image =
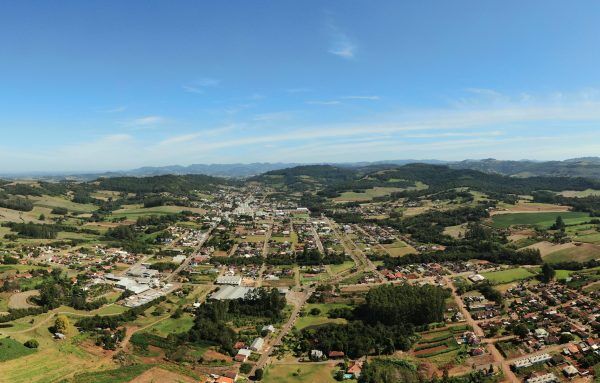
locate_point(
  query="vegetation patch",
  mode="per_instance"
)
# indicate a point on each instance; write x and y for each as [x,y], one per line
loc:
[119,375]
[11,349]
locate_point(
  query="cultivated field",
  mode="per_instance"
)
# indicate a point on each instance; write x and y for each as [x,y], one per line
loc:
[543,220]
[581,253]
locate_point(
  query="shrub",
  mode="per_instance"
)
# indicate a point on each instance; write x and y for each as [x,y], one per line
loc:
[32,343]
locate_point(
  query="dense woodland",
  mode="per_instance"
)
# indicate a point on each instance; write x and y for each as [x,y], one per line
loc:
[211,318]
[383,324]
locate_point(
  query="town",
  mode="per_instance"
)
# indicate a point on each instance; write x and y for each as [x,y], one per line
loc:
[231,282]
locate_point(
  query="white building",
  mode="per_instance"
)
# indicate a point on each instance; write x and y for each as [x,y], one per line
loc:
[233,280]
[546,378]
[258,344]
[476,278]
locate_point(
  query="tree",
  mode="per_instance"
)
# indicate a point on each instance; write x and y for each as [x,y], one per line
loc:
[566,338]
[559,224]
[245,368]
[548,273]
[31,343]
[521,330]
[258,374]
[315,311]
[61,324]
[42,217]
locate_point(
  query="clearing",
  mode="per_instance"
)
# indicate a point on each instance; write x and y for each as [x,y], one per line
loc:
[299,372]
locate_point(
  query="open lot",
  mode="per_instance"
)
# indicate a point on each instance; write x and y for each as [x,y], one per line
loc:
[299,372]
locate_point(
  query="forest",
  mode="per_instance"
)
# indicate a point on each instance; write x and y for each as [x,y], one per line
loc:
[384,323]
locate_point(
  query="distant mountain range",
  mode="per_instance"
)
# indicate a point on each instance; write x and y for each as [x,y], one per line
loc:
[588,167]
[577,167]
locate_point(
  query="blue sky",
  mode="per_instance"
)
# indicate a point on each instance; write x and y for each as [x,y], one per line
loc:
[101,85]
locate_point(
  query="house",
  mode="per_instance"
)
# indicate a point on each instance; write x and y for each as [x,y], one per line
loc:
[243,355]
[239,345]
[541,333]
[527,362]
[258,344]
[233,280]
[335,354]
[355,369]
[476,278]
[545,378]
[570,371]
[572,348]
[268,328]
[316,355]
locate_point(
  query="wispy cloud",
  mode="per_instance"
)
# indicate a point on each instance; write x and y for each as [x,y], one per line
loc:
[372,98]
[273,116]
[199,86]
[340,43]
[204,134]
[298,90]
[542,126]
[144,122]
[117,109]
[326,102]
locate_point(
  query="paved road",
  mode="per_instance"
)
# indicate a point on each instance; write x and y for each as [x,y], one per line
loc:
[187,261]
[463,309]
[287,327]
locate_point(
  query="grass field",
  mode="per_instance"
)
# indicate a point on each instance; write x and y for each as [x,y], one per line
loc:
[399,249]
[51,202]
[173,326]
[368,195]
[11,349]
[135,211]
[580,194]
[563,274]
[119,375]
[336,269]
[506,276]
[582,253]
[544,220]
[53,360]
[316,320]
[288,373]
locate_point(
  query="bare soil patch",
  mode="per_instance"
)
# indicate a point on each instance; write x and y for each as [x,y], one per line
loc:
[431,350]
[21,300]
